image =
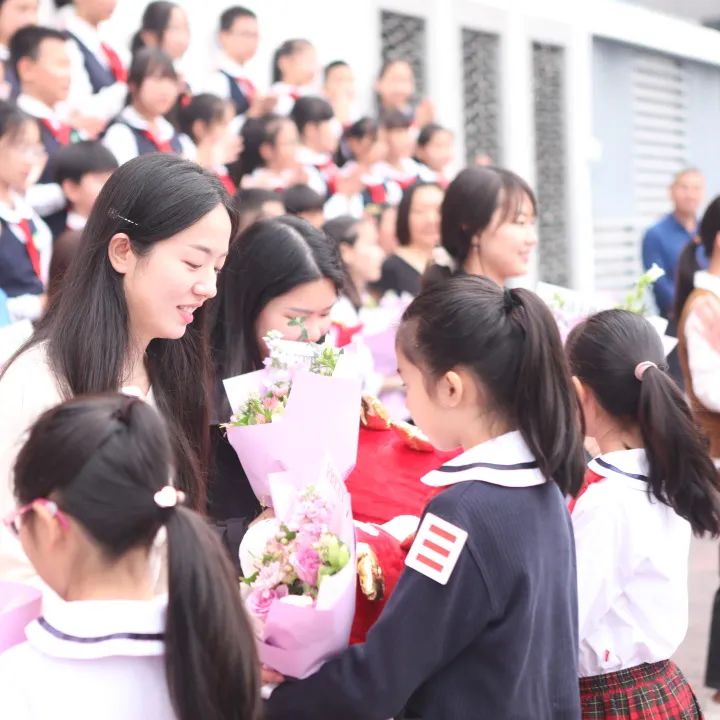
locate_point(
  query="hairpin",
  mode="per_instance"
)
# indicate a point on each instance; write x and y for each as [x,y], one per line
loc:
[116,215]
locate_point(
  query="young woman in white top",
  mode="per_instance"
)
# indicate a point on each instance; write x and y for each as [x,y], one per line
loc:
[651,487]
[128,314]
[92,489]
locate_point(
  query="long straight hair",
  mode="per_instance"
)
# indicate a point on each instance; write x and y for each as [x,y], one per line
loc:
[604,351]
[510,342]
[151,198]
[102,459]
[269,259]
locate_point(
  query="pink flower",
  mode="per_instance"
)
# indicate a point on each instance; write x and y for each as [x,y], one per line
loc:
[258,602]
[271,403]
[306,562]
[260,419]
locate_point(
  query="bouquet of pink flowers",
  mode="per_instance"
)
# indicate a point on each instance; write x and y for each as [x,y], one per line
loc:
[19,605]
[299,584]
[304,404]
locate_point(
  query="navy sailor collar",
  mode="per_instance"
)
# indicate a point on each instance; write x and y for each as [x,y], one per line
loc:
[505,460]
[626,465]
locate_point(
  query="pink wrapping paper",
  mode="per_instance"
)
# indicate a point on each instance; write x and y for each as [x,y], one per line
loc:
[296,641]
[19,605]
[322,416]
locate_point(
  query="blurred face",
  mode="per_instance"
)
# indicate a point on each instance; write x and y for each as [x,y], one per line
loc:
[387,230]
[397,86]
[505,248]
[282,154]
[16,14]
[165,287]
[340,84]
[176,38]
[438,153]
[82,195]
[95,11]
[156,96]
[321,137]
[221,136]
[687,193]
[364,259]
[368,150]
[311,301]
[399,143]
[22,152]
[240,42]
[48,77]
[301,67]
[424,219]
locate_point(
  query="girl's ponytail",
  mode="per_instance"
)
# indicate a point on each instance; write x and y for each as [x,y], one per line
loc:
[544,404]
[619,356]
[211,663]
[682,475]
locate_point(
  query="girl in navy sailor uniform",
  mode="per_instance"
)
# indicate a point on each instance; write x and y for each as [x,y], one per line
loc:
[25,240]
[651,487]
[434,153]
[141,128]
[398,165]
[294,72]
[395,88]
[483,621]
[99,75]
[92,492]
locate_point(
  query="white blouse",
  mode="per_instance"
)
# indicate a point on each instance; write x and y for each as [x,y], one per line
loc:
[632,566]
[59,674]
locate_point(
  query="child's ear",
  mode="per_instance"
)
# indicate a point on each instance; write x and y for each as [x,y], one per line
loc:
[199,129]
[70,190]
[450,389]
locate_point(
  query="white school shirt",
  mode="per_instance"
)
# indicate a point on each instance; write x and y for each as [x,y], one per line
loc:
[217,83]
[311,161]
[121,142]
[632,566]
[108,101]
[354,204]
[287,95]
[27,307]
[118,675]
[703,359]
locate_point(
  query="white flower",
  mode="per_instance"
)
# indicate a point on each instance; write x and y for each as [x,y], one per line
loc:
[654,273]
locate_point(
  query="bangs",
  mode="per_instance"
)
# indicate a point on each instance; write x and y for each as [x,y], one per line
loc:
[513,191]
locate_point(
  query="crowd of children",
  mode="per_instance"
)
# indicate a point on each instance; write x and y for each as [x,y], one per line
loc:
[129,201]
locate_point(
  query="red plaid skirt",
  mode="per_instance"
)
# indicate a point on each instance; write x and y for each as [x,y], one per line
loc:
[657,691]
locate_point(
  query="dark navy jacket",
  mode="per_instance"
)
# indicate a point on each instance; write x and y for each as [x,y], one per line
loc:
[238,97]
[100,76]
[17,276]
[499,641]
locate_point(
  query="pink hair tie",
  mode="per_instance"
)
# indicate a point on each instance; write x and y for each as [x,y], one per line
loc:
[641,367]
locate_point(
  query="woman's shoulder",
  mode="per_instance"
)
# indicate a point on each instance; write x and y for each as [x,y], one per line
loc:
[31,360]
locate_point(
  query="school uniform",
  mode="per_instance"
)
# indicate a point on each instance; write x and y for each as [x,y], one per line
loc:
[25,251]
[230,82]
[130,135]
[632,563]
[321,169]
[287,94]
[427,175]
[483,621]
[405,176]
[99,78]
[376,190]
[89,659]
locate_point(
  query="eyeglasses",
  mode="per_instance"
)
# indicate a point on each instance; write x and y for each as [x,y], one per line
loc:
[14,520]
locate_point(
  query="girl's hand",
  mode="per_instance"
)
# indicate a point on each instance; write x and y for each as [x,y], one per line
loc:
[270,677]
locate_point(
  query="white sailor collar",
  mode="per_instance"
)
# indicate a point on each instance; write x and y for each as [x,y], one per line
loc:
[165,129]
[630,466]
[308,156]
[703,280]
[92,629]
[18,212]
[505,460]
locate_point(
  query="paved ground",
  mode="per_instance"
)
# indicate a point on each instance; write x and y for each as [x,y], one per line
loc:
[691,655]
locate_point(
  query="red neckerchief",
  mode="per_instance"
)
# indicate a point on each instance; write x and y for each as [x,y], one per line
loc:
[590,478]
[115,63]
[60,131]
[162,145]
[30,247]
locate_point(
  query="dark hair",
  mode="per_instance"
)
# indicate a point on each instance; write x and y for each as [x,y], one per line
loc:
[250,201]
[270,258]
[25,43]
[301,198]
[150,62]
[229,16]
[688,263]
[344,231]
[256,132]
[362,128]
[65,249]
[12,120]
[470,202]
[310,110]
[206,107]
[102,459]
[389,62]
[287,49]
[395,120]
[428,132]
[604,351]
[332,66]
[155,20]
[510,342]
[151,198]
[74,161]
[402,228]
